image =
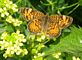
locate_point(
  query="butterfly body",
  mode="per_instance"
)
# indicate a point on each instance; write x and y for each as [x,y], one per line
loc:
[50,25]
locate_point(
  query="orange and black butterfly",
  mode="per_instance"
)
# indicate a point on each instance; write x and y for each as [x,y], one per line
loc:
[51,26]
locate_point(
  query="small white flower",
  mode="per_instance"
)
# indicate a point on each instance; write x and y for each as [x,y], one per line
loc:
[43,54]
[74,58]
[43,37]
[16,42]
[20,44]
[21,35]
[18,32]
[12,52]
[2,47]
[1,42]
[56,56]
[4,8]
[6,44]
[10,17]
[39,39]
[19,52]
[34,56]
[78,58]
[81,41]
[17,23]
[18,48]
[24,40]
[6,13]
[2,15]
[39,54]
[14,5]
[1,9]
[7,51]
[10,43]
[59,53]
[13,8]
[10,2]
[5,55]
[16,10]
[12,48]
[3,35]
[25,51]
[15,47]
[15,50]
[59,59]
[13,20]
[8,20]
[7,5]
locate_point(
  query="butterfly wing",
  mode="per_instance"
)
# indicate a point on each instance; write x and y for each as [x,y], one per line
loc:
[35,26]
[30,14]
[35,19]
[52,28]
[62,20]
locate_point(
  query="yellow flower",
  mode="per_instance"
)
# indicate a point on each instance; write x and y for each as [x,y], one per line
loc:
[56,55]
[2,15]
[75,58]
[1,9]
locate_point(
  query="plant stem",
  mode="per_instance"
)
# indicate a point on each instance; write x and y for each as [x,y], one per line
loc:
[73,9]
[69,6]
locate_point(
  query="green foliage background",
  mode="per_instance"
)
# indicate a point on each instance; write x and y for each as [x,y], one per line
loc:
[69,43]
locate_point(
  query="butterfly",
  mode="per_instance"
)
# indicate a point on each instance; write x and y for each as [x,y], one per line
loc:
[51,25]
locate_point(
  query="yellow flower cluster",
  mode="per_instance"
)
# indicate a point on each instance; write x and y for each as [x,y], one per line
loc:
[39,56]
[8,5]
[15,22]
[7,10]
[12,44]
[75,58]
[4,12]
[57,55]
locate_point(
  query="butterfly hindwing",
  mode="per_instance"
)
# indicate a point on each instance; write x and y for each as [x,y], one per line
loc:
[52,29]
[35,26]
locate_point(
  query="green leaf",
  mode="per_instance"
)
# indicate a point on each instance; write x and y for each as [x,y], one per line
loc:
[70,43]
[80,2]
[69,57]
[60,2]
[9,28]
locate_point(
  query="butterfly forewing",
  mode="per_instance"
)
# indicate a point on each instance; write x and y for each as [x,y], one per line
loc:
[30,14]
[62,20]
